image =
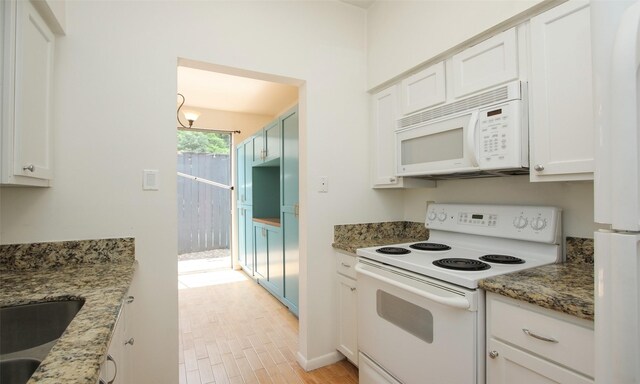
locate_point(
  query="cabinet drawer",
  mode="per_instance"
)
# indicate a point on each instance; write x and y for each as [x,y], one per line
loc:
[569,344]
[346,265]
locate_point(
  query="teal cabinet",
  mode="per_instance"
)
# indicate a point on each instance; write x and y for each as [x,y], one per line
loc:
[244,201]
[244,173]
[245,239]
[269,262]
[290,207]
[266,145]
[268,208]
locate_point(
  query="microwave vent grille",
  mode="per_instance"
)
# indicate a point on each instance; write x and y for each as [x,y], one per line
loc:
[487,98]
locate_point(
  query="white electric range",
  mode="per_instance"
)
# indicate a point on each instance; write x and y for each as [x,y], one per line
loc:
[420,312]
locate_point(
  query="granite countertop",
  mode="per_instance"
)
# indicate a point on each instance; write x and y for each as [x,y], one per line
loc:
[567,287]
[76,356]
[349,237]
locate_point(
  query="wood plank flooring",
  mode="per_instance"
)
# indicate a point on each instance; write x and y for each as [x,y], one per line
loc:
[235,332]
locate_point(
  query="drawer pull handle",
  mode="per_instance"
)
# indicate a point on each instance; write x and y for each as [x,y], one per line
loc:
[352,289]
[345,265]
[543,338]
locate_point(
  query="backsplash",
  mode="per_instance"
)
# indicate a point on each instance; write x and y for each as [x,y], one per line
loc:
[579,250]
[370,231]
[55,254]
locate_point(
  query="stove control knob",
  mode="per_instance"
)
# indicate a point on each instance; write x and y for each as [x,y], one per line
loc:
[538,223]
[520,222]
[442,216]
[432,215]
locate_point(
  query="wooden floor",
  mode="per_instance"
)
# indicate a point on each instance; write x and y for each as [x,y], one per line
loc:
[235,332]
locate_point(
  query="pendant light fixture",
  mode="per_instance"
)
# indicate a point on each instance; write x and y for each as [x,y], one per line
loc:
[190,116]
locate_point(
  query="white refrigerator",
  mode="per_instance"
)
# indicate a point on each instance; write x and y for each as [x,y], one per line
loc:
[615,33]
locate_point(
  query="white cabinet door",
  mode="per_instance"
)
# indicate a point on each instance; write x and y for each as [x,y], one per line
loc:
[509,365]
[384,114]
[424,89]
[562,127]
[27,74]
[486,64]
[117,366]
[347,318]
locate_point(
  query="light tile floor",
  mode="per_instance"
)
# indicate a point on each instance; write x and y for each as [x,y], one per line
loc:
[233,331]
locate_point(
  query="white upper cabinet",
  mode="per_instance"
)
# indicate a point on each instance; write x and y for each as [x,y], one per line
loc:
[384,119]
[28,45]
[424,89]
[561,105]
[492,62]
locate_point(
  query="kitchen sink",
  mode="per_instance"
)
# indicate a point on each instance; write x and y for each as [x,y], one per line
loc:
[23,327]
[17,371]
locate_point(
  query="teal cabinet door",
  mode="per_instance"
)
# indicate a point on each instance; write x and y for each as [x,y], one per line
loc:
[257,148]
[272,141]
[248,173]
[290,206]
[261,247]
[240,174]
[245,239]
[276,262]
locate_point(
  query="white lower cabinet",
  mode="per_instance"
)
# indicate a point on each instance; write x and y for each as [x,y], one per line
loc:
[117,367]
[347,307]
[534,345]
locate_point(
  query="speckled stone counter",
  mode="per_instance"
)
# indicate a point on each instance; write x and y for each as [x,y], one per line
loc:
[564,287]
[98,271]
[349,237]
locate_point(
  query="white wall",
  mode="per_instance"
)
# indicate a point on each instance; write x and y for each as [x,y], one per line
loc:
[575,198]
[114,115]
[404,34]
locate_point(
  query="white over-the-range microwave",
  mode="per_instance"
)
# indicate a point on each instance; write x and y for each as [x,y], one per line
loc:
[482,135]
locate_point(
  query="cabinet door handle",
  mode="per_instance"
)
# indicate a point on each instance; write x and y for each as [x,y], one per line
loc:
[130,299]
[539,167]
[352,288]
[392,179]
[115,373]
[30,168]
[493,354]
[345,265]
[130,341]
[543,338]
[296,210]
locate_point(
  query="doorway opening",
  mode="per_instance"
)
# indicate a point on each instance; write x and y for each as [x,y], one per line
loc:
[204,205]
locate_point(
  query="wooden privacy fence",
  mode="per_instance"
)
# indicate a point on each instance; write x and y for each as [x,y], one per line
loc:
[204,211]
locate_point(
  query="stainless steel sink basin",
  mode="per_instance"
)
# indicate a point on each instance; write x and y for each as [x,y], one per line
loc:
[17,371]
[27,326]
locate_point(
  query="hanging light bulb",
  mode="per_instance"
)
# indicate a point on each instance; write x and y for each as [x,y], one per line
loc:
[191,117]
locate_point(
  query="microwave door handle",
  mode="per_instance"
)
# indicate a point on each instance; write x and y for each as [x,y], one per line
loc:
[471,139]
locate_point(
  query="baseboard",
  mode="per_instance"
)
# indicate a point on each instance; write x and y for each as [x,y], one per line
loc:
[318,362]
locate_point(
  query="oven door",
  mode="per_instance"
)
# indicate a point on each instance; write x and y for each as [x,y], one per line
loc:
[416,329]
[440,147]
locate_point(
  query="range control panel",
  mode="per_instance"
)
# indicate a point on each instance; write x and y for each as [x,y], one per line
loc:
[532,223]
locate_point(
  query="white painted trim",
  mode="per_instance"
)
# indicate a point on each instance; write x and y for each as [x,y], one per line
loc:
[318,362]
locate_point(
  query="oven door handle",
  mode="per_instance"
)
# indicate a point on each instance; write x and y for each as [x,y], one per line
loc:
[456,302]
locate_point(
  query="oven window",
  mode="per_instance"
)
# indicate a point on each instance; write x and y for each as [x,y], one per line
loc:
[416,320]
[446,145]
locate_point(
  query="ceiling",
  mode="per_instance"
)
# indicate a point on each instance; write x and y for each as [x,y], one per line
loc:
[213,90]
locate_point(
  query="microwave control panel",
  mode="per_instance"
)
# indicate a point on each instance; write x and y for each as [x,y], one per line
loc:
[495,133]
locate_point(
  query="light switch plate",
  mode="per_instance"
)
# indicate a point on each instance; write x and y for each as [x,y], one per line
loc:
[323,184]
[150,180]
